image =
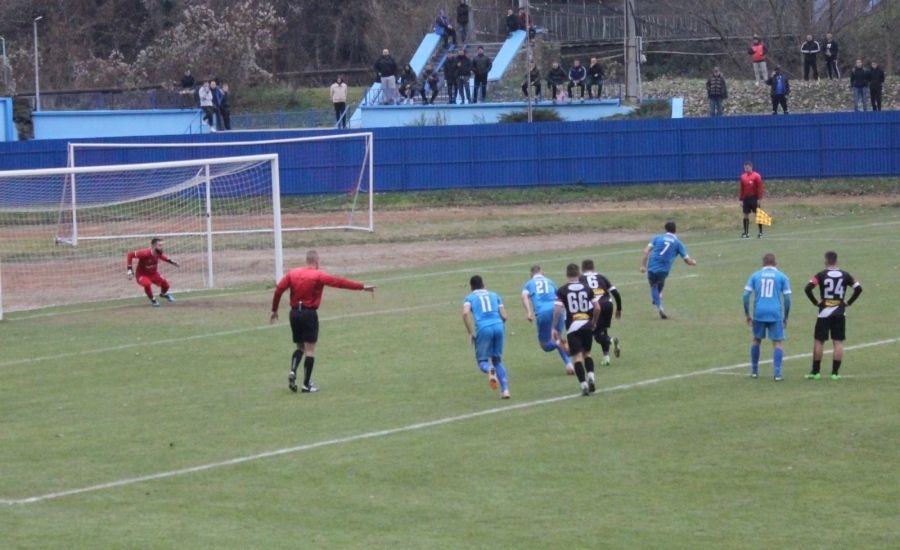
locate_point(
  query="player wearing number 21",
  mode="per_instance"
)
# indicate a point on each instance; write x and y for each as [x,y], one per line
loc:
[486,309]
[582,313]
[148,270]
[768,286]
[833,284]
[658,258]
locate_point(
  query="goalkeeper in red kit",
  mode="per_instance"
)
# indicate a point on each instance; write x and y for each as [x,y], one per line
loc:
[147,272]
[306,285]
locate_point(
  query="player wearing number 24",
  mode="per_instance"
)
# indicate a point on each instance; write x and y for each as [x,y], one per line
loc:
[833,283]
[768,286]
[148,272]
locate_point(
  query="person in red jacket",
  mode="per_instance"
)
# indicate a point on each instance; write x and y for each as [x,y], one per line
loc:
[147,270]
[307,284]
[758,52]
[750,195]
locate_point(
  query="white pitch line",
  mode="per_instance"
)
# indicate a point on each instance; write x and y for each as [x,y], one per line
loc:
[393,431]
[201,336]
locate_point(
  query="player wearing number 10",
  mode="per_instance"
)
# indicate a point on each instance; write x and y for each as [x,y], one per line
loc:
[768,285]
[658,258]
[489,315]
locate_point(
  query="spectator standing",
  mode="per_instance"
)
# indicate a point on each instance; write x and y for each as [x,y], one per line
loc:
[187,89]
[758,52]
[512,22]
[859,81]
[533,79]
[595,78]
[781,88]
[206,104]
[217,103]
[450,77]
[462,21]
[463,72]
[481,66]
[225,108]
[876,81]
[428,81]
[810,50]
[830,49]
[408,84]
[386,68]
[444,29]
[338,94]
[555,78]
[717,91]
[577,76]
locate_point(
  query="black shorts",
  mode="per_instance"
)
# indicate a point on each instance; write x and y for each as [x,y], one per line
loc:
[606,316]
[305,325]
[750,204]
[836,326]
[581,340]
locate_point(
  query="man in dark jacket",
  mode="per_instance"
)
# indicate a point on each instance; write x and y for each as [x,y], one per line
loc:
[444,29]
[810,49]
[781,88]
[555,78]
[577,76]
[463,72]
[859,82]
[225,107]
[876,81]
[534,79]
[716,91]
[450,77]
[430,79]
[512,22]
[481,66]
[595,78]
[462,21]
[830,49]
[386,69]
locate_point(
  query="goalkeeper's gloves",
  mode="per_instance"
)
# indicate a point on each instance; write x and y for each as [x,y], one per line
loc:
[129,273]
[173,262]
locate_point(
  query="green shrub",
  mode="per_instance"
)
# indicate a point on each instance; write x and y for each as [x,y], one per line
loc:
[537,115]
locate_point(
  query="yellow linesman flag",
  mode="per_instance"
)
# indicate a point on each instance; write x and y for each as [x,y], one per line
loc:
[762,218]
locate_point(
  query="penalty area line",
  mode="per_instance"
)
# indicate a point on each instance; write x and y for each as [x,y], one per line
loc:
[394,431]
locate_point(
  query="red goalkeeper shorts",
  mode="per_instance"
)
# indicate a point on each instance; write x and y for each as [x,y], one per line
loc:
[155,279]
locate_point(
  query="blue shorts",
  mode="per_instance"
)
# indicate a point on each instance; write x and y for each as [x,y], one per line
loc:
[655,278]
[544,321]
[489,341]
[774,328]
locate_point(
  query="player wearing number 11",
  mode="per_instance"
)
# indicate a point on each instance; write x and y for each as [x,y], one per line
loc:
[486,309]
[768,285]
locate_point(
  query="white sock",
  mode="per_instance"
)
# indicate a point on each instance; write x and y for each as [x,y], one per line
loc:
[606,357]
[591,376]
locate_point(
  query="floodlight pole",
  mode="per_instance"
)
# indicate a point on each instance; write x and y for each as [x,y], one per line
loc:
[37,81]
[632,86]
[5,76]
[528,58]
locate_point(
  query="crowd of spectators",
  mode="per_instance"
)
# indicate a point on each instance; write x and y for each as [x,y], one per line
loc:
[213,99]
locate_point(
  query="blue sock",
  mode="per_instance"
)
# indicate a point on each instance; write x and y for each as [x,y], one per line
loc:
[654,294]
[501,373]
[754,358]
[563,355]
[484,366]
[777,359]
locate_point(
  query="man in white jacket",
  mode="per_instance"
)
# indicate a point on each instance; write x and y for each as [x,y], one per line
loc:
[206,103]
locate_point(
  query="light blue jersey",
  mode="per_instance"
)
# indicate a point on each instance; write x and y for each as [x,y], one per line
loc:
[542,292]
[485,308]
[768,285]
[666,248]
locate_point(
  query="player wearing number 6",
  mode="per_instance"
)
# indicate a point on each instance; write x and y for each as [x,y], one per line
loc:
[487,335]
[658,258]
[768,285]
[833,283]
[147,270]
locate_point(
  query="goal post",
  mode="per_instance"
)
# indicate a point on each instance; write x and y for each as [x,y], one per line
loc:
[328,184]
[65,232]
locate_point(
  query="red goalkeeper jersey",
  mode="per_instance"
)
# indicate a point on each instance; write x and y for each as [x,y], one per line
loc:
[307,284]
[751,184]
[147,261]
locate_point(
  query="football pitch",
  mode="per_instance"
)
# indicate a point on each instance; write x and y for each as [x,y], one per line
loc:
[125,426]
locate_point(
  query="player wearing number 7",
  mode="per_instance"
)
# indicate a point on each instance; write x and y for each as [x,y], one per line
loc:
[147,270]
[768,285]
[658,258]
[833,284]
[486,309]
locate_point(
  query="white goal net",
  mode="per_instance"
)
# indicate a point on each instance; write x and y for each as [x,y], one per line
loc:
[326,183]
[65,233]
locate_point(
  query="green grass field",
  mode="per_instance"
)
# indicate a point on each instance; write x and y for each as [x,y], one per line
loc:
[123,426]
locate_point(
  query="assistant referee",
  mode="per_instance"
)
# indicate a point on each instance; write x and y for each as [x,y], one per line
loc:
[750,195]
[307,284]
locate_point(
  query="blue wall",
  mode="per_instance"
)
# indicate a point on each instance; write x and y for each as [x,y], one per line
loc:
[91,124]
[504,155]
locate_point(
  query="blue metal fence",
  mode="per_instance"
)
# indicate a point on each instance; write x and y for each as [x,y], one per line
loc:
[511,155]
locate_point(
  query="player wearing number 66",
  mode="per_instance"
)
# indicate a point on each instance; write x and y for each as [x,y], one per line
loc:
[486,309]
[658,258]
[768,286]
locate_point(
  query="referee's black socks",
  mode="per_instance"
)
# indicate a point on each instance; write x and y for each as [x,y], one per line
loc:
[295,360]
[835,367]
[307,370]
[746,225]
[817,365]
